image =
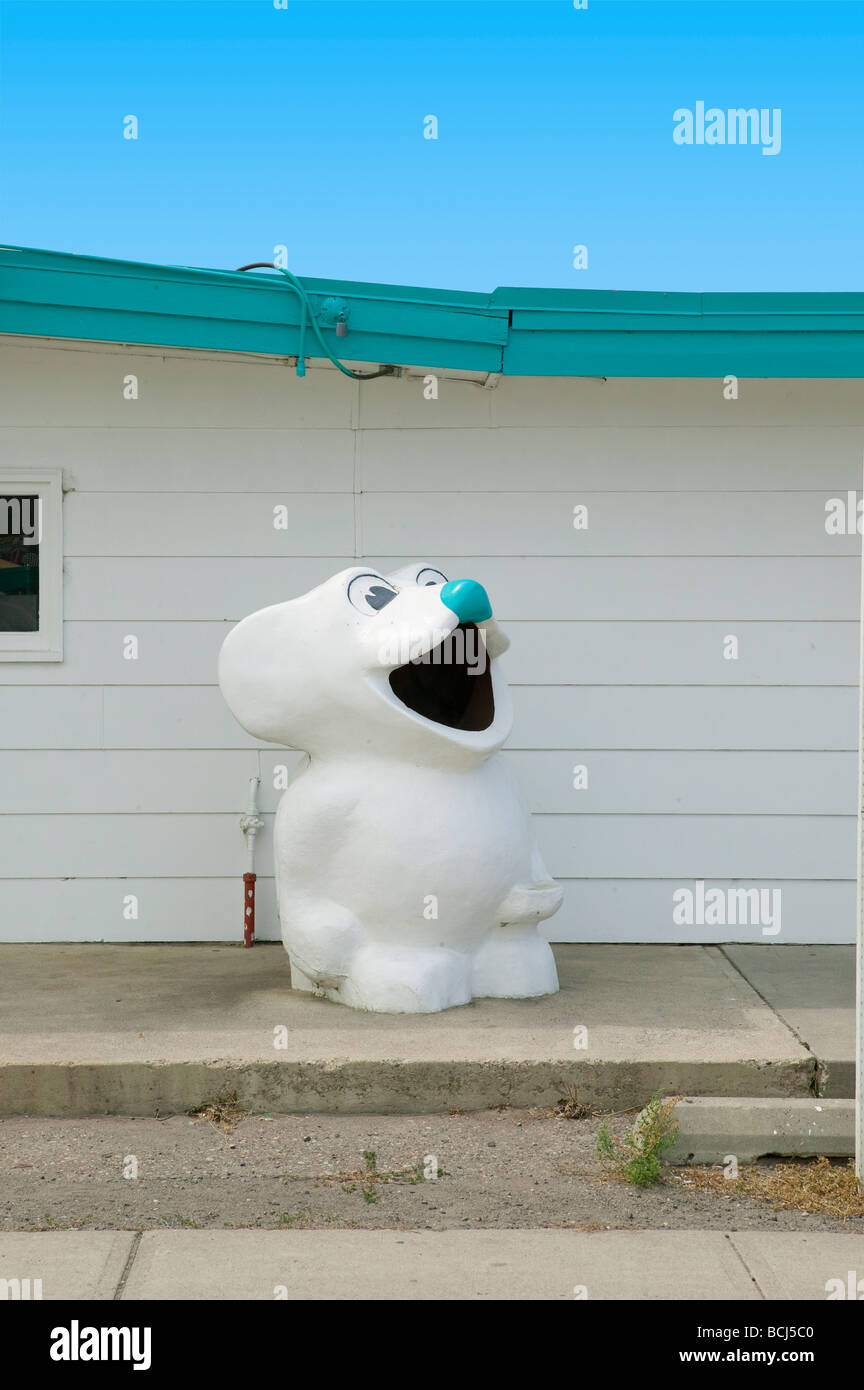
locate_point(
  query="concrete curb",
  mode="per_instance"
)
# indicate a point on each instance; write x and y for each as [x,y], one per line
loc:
[711,1128]
[376,1087]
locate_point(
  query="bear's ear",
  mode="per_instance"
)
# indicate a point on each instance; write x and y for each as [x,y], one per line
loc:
[257,674]
[420,573]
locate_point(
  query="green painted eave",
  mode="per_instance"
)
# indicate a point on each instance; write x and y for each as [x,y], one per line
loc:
[518,332]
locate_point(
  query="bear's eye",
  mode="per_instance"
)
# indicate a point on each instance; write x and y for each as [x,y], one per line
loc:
[428,577]
[370,593]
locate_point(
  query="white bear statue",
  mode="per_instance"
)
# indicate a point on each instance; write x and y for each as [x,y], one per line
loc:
[406,872]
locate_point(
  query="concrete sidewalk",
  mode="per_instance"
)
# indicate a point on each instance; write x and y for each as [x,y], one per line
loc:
[141,1029]
[439,1266]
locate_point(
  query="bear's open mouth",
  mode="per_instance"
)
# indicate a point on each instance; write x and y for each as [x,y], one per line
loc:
[451,684]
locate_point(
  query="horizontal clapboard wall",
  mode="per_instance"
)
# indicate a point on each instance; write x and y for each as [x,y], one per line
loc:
[661,718]
[124,780]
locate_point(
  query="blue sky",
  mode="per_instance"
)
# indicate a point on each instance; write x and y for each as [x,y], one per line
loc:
[303,126]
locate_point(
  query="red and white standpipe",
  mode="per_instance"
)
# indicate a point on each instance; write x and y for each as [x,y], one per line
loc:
[250,824]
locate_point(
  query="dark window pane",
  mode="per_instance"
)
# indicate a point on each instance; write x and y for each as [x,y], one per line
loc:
[19,563]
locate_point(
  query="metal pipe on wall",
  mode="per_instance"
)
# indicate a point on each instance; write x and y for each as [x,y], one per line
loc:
[250,824]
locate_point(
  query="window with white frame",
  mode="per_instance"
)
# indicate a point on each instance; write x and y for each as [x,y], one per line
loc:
[31,565]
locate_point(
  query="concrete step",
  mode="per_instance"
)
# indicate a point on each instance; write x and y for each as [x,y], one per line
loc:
[433,1265]
[140,1029]
[711,1128]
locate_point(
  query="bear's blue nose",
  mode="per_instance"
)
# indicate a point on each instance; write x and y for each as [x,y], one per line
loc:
[467,599]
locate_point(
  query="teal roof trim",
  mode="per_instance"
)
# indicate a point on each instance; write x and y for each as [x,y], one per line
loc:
[518,332]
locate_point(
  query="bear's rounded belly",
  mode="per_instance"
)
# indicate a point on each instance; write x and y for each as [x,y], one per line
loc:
[418,858]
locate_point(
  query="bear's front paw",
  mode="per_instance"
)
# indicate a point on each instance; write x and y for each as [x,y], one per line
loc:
[530,902]
[407,979]
[322,938]
[514,963]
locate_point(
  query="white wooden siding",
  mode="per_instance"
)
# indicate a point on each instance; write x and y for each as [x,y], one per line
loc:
[655,717]
[617,589]
[178,652]
[631,525]
[706,519]
[84,781]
